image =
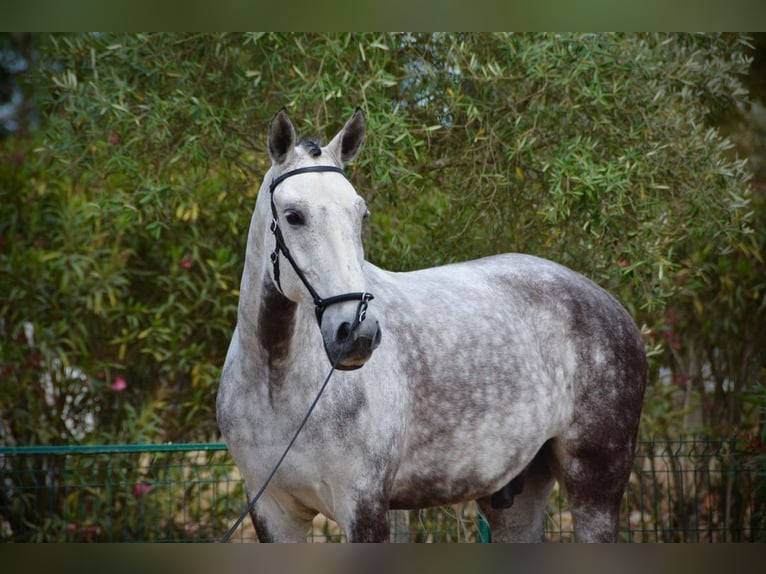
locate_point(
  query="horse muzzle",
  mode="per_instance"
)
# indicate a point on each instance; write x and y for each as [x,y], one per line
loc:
[350,348]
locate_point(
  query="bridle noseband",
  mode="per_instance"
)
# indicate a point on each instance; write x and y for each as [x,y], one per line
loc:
[320,304]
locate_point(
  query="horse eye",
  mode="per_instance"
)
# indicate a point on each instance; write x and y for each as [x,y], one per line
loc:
[294,218]
[366,215]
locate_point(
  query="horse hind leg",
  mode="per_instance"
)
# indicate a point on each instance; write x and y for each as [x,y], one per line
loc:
[516,513]
[594,480]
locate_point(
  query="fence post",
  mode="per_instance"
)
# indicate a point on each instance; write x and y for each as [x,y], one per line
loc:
[484,537]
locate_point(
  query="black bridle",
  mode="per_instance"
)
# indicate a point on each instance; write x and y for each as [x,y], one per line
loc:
[320,303]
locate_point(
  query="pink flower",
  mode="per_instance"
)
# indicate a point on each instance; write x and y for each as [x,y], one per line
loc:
[119,384]
[140,489]
[186,263]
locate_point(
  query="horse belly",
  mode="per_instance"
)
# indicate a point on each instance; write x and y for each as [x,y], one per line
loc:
[474,458]
[474,426]
[434,479]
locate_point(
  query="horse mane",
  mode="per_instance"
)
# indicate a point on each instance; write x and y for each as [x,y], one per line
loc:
[312,147]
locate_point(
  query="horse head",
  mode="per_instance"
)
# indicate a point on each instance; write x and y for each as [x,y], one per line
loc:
[317,219]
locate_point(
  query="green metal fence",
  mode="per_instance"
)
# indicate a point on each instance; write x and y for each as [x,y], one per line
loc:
[691,490]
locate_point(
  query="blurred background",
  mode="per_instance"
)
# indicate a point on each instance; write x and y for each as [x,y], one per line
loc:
[129,165]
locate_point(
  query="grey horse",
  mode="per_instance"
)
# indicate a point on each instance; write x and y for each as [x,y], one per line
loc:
[486,380]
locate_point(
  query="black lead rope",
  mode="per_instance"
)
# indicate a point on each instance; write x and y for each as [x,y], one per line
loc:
[360,316]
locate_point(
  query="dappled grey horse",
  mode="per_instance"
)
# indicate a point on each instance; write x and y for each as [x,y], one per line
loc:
[487,380]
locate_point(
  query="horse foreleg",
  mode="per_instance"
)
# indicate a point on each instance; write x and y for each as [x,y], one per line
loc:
[274,523]
[369,523]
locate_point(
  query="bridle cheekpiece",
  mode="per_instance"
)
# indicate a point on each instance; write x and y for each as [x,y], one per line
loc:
[320,303]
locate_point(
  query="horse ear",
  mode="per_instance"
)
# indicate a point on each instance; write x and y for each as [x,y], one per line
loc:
[348,142]
[281,137]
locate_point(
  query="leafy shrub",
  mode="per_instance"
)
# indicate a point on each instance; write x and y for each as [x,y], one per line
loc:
[123,219]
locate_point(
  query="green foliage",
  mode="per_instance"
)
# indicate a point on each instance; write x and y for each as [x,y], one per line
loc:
[124,494]
[124,217]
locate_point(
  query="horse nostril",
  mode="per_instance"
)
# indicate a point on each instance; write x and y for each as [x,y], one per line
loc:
[343,333]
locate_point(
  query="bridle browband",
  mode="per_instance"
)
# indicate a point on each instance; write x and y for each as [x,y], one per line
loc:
[320,303]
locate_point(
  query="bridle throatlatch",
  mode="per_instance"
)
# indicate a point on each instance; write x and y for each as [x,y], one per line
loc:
[320,303]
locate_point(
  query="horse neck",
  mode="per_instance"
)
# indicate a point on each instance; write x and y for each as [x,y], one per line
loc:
[266,319]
